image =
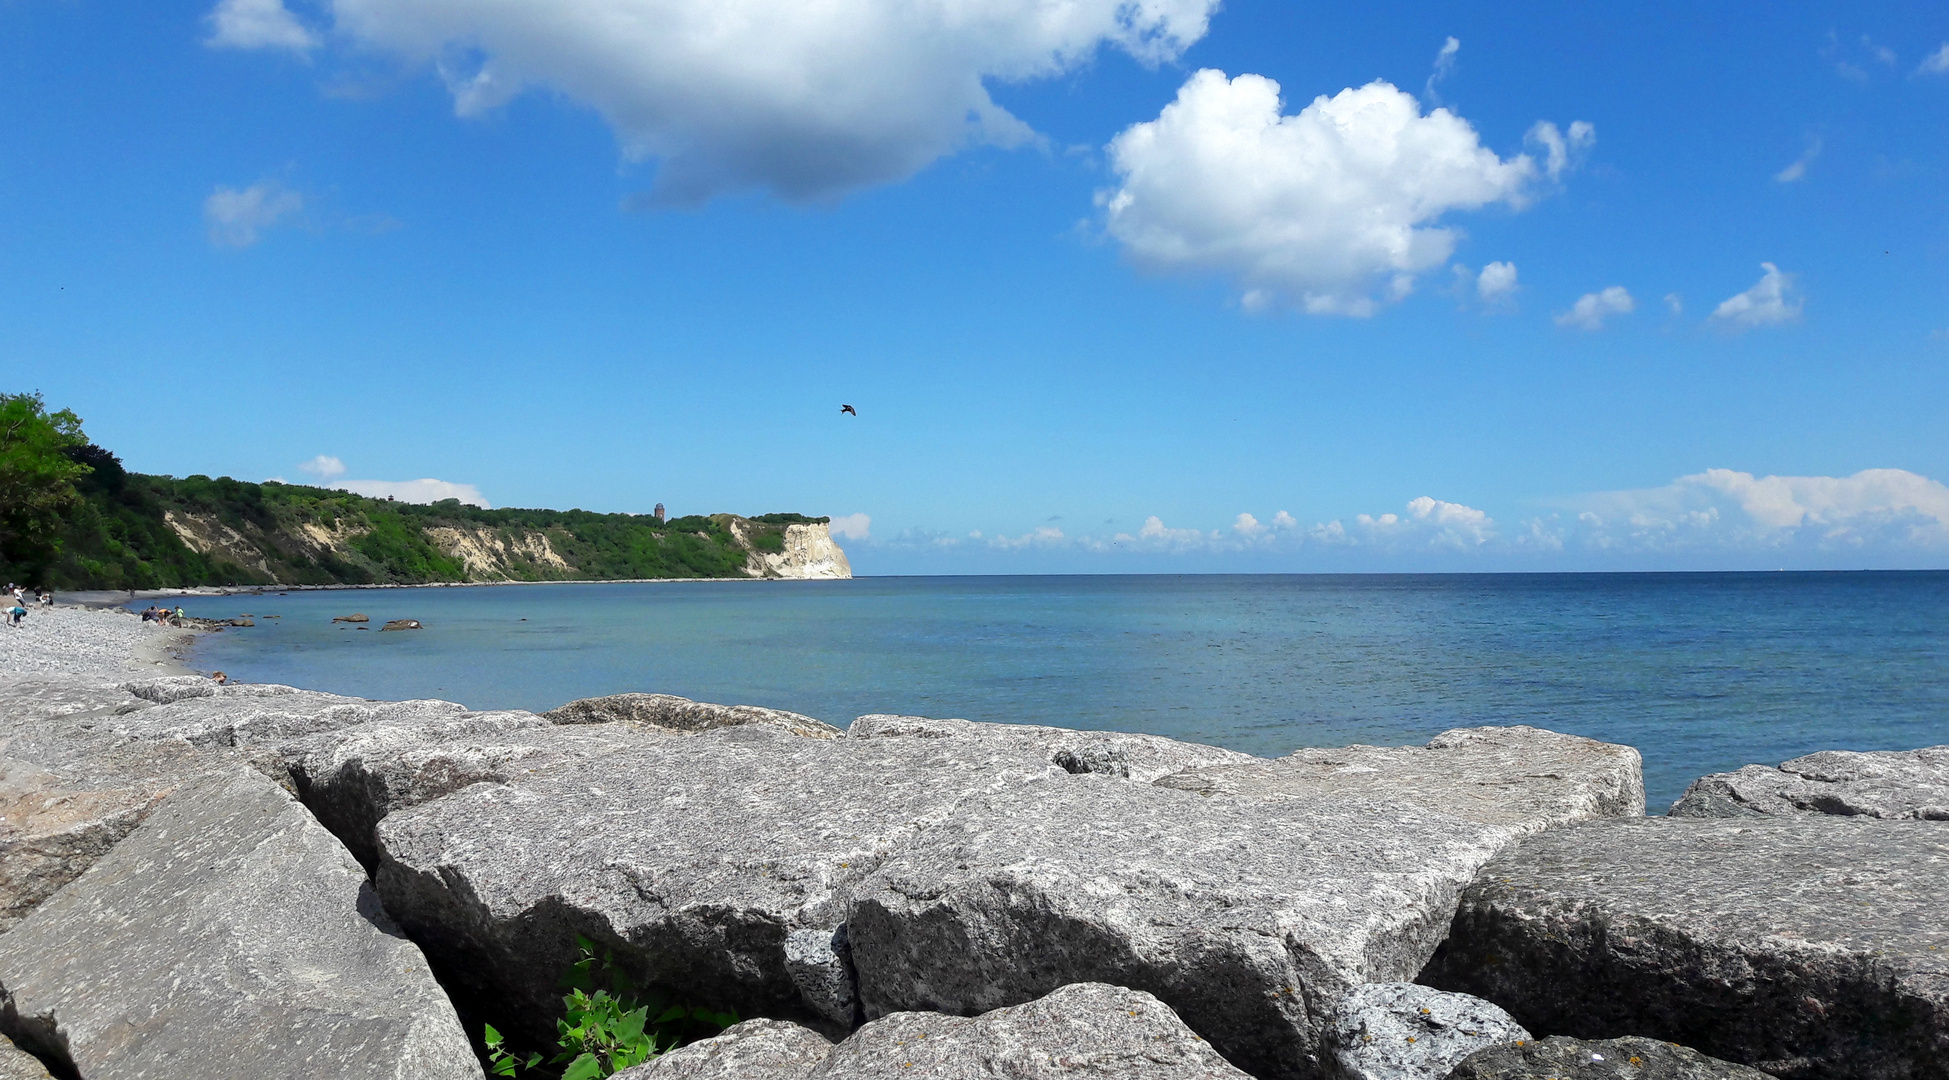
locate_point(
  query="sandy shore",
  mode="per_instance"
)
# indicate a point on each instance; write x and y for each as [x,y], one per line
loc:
[120,597]
[91,642]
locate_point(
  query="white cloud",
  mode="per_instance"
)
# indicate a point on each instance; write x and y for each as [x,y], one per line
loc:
[415,491]
[1321,209]
[1591,309]
[324,467]
[852,526]
[1444,66]
[1937,62]
[1724,509]
[806,100]
[238,217]
[1773,300]
[1675,303]
[1798,169]
[257,24]
[1043,537]
[1429,524]
[1246,524]
[1496,282]
[1562,151]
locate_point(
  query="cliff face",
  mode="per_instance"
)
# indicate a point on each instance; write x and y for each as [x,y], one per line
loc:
[810,553]
[499,554]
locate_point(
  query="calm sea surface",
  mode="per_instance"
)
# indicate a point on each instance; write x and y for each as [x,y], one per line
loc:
[1701,672]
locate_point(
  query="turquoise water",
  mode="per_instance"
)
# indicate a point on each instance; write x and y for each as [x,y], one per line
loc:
[1701,672]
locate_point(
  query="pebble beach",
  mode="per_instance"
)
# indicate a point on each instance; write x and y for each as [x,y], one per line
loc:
[100,643]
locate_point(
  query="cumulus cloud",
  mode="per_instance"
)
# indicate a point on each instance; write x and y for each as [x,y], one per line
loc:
[258,24]
[1496,282]
[1044,536]
[806,100]
[1562,151]
[1770,302]
[1444,66]
[1937,62]
[852,526]
[1798,169]
[1333,209]
[1728,510]
[324,467]
[1591,309]
[238,217]
[415,491]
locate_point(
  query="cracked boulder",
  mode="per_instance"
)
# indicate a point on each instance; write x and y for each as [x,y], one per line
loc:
[18,1064]
[1629,1058]
[1127,756]
[694,858]
[1251,918]
[682,714]
[1524,777]
[229,935]
[1402,1031]
[1892,784]
[1081,1031]
[1805,946]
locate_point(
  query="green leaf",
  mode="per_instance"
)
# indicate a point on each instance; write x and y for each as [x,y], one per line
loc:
[585,1067]
[491,1037]
[674,1012]
[503,1067]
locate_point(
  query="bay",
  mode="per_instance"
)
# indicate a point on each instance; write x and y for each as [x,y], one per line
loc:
[1701,672]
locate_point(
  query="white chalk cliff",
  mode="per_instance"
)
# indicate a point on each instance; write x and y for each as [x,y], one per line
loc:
[810,554]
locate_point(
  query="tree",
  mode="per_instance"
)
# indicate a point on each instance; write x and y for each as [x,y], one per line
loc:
[37,475]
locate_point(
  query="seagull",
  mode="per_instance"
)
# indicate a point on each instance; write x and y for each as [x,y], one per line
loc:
[849,409]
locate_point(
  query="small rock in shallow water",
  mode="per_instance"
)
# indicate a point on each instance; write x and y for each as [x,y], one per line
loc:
[353,618]
[402,624]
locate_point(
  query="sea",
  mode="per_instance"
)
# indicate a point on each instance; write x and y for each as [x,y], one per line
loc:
[1701,672]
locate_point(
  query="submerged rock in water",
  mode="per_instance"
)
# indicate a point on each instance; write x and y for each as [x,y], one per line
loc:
[683,714]
[1802,946]
[229,935]
[1880,784]
[1522,776]
[1629,1058]
[1402,1031]
[1084,1030]
[353,618]
[402,624]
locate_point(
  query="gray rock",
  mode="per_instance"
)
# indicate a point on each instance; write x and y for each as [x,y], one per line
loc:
[693,857]
[1087,1030]
[1522,776]
[820,963]
[683,714]
[1802,946]
[227,936]
[753,1050]
[1883,784]
[1629,1058]
[1250,918]
[54,826]
[1142,758]
[18,1064]
[1402,1031]
[1084,1030]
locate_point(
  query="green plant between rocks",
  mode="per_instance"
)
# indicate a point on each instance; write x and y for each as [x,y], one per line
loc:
[606,1029]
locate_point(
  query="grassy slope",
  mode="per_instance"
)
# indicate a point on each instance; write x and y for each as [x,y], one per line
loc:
[117,537]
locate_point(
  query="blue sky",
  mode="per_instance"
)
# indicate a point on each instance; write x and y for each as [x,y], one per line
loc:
[1095,285]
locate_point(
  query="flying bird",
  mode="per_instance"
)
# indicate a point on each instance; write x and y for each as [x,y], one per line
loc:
[849,409]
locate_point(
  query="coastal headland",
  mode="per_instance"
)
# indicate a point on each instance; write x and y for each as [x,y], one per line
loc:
[208,880]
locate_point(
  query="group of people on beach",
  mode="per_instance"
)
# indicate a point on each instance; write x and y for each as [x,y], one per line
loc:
[18,609]
[153,613]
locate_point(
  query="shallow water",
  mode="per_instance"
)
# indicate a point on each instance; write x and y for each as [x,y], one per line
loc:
[1701,672]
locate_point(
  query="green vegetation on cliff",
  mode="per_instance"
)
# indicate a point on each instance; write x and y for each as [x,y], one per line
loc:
[71,517]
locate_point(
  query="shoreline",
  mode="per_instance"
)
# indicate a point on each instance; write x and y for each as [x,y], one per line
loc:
[97,599]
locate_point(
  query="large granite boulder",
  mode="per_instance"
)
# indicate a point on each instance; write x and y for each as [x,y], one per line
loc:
[1881,784]
[1085,1030]
[228,936]
[1404,1031]
[18,1064]
[1629,1058]
[1525,777]
[1250,918]
[1128,756]
[694,857]
[683,714]
[1802,946]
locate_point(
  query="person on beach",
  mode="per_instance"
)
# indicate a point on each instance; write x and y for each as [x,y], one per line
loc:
[15,614]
